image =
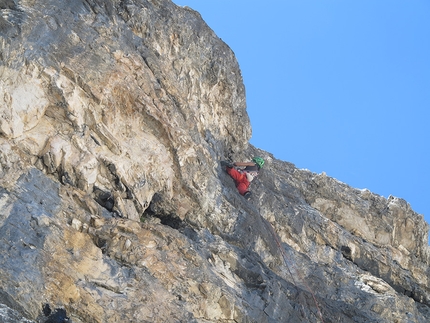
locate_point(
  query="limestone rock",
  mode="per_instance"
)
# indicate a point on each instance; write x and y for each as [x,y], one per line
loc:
[114,206]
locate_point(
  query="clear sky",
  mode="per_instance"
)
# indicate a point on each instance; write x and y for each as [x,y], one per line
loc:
[337,86]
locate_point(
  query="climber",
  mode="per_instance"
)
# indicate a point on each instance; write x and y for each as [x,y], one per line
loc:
[244,176]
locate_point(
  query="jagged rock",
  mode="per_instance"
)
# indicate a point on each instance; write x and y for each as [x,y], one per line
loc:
[114,206]
[8,315]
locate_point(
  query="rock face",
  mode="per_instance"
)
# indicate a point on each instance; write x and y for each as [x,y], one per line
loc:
[114,207]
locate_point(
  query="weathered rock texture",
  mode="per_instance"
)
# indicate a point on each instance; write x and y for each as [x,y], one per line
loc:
[114,207]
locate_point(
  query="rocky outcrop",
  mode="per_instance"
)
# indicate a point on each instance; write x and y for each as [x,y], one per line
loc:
[114,207]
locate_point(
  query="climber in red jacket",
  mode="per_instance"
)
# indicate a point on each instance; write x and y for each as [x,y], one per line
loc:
[244,176]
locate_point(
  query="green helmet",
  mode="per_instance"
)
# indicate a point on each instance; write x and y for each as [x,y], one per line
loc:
[259,161]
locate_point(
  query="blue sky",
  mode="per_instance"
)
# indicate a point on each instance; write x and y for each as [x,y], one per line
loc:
[337,86]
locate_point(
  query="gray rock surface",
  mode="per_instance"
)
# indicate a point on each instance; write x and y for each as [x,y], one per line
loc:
[114,206]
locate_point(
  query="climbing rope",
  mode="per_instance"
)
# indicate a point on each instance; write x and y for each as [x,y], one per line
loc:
[253,209]
[284,256]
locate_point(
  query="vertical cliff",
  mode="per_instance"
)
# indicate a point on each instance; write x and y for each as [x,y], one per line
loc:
[114,207]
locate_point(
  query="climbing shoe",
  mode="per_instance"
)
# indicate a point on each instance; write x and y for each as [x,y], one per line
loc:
[247,195]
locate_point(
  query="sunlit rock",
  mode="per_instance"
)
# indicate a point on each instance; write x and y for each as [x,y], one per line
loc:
[114,206]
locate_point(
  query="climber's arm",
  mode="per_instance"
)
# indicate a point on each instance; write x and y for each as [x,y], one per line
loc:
[244,164]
